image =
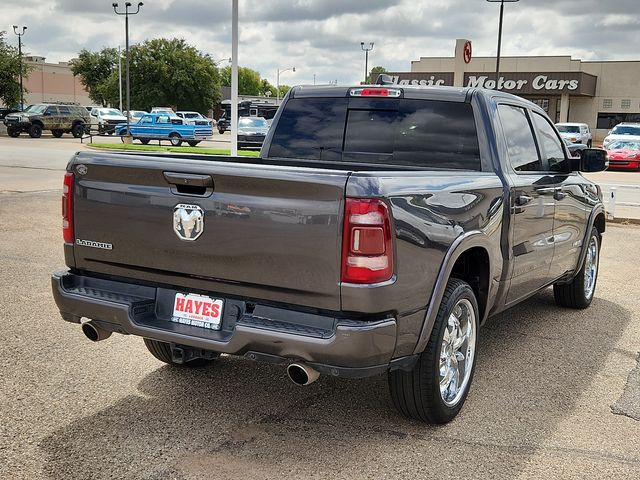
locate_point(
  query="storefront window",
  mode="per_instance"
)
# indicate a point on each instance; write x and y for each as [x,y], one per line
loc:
[610,120]
[543,103]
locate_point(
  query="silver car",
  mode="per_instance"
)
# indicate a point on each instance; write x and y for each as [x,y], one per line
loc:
[251,132]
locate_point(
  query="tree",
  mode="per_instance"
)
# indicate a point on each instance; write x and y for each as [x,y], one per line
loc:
[94,69]
[10,73]
[249,82]
[373,74]
[172,73]
[163,72]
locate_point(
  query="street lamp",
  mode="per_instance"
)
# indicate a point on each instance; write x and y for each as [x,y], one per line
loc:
[126,14]
[15,30]
[500,35]
[293,69]
[366,59]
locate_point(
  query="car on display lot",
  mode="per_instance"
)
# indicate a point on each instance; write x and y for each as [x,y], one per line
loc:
[251,132]
[58,118]
[169,111]
[159,126]
[575,132]
[105,119]
[622,131]
[369,238]
[135,115]
[624,154]
[575,149]
[195,118]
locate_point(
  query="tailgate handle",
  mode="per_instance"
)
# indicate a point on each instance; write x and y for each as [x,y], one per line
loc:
[189,184]
[192,179]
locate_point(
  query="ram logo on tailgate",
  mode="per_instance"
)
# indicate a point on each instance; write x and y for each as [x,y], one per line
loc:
[188,221]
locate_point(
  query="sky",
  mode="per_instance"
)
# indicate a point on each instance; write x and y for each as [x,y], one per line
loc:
[322,37]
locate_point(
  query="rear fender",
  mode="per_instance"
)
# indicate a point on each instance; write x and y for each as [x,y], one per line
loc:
[460,245]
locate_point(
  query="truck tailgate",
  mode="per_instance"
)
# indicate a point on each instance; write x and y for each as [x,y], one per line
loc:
[268,232]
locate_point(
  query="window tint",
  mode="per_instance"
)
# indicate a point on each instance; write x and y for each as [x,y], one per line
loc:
[418,133]
[310,128]
[52,111]
[521,146]
[550,143]
[64,110]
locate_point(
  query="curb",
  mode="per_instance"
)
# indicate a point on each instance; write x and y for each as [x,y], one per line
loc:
[624,221]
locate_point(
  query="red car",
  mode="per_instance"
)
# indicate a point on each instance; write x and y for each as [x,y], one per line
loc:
[624,154]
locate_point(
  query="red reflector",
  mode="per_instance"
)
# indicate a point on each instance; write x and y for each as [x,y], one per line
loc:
[375,92]
[67,208]
[367,249]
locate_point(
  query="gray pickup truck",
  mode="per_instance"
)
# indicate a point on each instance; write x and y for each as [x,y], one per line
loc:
[376,233]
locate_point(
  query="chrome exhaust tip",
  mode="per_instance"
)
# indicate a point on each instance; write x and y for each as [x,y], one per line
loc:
[94,333]
[302,374]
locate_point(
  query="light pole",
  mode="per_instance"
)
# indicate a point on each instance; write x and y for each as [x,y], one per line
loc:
[15,30]
[120,79]
[366,59]
[126,14]
[500,35]
[293,69]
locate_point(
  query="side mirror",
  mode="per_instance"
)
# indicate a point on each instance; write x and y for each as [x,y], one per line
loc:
[594,160]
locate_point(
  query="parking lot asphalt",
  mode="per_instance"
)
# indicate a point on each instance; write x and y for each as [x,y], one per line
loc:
[555,393]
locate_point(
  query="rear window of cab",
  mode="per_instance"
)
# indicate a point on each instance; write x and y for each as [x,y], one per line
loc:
[404,132]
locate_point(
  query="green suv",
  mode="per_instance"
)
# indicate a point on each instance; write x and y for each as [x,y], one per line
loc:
[58,118]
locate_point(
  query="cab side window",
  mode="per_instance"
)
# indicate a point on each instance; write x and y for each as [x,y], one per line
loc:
[518,136]
[550,144]
[51,111]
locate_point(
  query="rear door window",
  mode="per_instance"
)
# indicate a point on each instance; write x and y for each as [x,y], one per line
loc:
[518,136]
[414,133]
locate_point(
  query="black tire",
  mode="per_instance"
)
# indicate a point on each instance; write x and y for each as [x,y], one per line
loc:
[175,140]
[579,293]
[144,141]
[416,393]
[13,132]
[589,143]
[162,351]
[57,133]
[220,131]
[78,130]
[35,131]
[123,133]
[193,144]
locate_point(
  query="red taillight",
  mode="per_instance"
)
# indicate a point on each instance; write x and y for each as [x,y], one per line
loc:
[67,208]
[367,248]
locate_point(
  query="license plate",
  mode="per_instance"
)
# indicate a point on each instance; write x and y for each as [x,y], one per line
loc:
[197,311]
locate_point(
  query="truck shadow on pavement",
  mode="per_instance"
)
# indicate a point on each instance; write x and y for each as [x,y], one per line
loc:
[247,420]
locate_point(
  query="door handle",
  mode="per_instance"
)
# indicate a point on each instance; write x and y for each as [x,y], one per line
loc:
[522,200]
[559,195]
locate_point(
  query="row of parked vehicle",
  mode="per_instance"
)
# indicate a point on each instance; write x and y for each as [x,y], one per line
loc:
[622,143]
[162,123]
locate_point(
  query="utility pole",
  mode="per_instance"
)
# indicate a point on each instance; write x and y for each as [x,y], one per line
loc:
[15,30]
[234,78]
[366,59]
[126,14]
[500,35]
[120,78]
[293,69]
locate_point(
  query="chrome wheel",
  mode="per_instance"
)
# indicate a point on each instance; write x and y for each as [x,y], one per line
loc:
[591,268]
[457,352]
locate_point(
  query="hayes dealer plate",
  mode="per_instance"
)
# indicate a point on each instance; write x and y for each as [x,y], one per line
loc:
[197,311]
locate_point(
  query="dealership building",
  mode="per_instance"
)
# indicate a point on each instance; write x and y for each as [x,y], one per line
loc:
[599,93]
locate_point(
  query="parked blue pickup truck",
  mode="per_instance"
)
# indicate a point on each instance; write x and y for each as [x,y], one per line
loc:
[154,126]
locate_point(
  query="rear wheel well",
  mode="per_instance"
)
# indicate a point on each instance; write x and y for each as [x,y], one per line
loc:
[472,266]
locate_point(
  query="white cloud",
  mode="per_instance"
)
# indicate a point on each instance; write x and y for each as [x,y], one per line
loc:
[322,37]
